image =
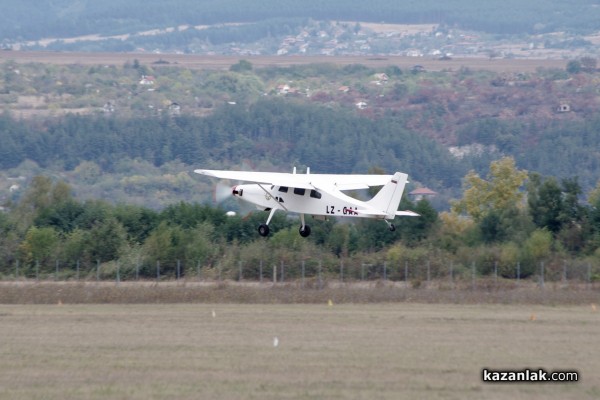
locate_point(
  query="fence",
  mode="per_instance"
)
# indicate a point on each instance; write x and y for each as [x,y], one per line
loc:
[310,271]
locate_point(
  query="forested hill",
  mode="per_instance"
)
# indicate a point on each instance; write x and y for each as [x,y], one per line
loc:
[269,131]
[36,19]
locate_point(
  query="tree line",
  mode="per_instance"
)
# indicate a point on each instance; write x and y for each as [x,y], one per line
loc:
[509,216]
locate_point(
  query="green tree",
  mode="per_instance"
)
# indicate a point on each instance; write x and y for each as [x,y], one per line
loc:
[500,192]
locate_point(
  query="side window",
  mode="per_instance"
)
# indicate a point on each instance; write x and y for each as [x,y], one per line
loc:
[283,189]
[315,195]
[299,191]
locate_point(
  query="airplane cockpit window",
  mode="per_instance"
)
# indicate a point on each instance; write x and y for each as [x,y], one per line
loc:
[315,195]
[283,189]
[299,191]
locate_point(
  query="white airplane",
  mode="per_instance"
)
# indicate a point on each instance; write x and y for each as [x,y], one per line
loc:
[319,195]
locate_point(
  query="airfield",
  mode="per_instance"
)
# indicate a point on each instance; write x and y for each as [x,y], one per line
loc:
[193,61]
[227,340]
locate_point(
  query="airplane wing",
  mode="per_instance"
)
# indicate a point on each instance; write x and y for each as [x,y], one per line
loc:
[303,181]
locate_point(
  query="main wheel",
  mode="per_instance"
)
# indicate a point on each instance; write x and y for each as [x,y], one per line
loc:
[263,230]
[392,227]
[305,232]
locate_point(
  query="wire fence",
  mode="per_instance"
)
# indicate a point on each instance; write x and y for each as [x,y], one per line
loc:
[313,271]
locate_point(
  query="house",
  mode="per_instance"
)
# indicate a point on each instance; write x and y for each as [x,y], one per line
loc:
[422,193]
[147,80]
[563,107]
[283,89]
[175,109]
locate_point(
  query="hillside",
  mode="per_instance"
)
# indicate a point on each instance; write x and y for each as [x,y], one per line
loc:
[123,131]
[514,29]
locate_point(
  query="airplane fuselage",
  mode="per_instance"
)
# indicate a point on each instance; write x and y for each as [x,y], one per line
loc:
[304,201]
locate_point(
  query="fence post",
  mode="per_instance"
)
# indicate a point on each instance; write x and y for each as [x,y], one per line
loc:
[406,274]
[137,269]
[282,267]
[97,270]
[341,270]
[320,277]
[451,271]
[428,272]
[541,274]
[303,272]
[56,262]
[473,275]
[564,277]
[118,272]
[240,271]
[518,272]
[260,271]
[495,272]
[362,271]
[198,270]
[17,270]
[37,270]
[157,270]
[385,270]
[589,275]
[77,270]
[178,269]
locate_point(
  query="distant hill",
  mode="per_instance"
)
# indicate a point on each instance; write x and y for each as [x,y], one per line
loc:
[37,19]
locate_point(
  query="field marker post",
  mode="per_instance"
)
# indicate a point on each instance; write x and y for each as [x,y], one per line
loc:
[198,270]
[17,270]
[97,270]
[274,273]
[406,274]
[282,266]
[260,271]
[342,271]
[118,272]
[518,272]
[240,277]
[157,271]
[303,272]
[541,274]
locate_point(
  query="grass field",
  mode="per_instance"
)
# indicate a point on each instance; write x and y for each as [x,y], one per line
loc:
[350,351]
[224,62]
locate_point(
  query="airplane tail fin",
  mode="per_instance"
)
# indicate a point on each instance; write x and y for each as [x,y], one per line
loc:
[388,198]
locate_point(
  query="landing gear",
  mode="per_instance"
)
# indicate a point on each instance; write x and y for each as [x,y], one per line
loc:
[304,231]
[391,226]
[263,230]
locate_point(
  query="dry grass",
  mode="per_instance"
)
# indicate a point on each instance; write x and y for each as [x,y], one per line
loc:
[485,292]
[384,351]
